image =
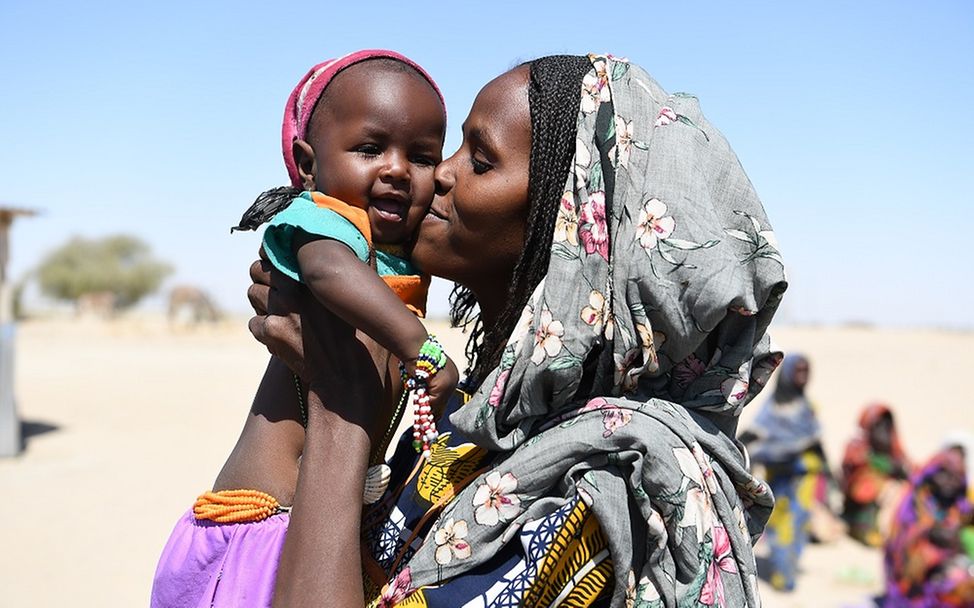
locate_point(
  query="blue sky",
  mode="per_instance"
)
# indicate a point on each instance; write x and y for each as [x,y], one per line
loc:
[853,120]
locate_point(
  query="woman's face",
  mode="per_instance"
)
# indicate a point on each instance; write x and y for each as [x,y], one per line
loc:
[948,482]
[881,434]
[474,231]
[799,376]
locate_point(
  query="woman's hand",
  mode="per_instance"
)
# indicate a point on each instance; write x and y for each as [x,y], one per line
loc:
[260,274]
[277,301]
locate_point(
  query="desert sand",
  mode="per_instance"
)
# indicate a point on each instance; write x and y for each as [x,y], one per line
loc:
[129,420]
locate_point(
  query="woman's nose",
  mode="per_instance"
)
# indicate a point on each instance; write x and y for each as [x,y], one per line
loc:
[444,176]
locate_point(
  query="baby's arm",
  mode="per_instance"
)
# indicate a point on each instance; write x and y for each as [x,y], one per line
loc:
[353,291]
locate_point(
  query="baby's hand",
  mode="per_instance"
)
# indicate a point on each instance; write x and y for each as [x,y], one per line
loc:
[441,387]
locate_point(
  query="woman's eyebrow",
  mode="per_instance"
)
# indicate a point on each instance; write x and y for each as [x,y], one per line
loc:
[480,137]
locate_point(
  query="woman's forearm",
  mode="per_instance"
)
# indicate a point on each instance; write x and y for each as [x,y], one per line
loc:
[321,560]
[351,381]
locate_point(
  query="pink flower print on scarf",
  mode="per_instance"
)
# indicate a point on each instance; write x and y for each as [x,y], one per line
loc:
[687,371]
[613,416]
[666,116]
[397,590]
[497,392]
[712,593]
[594,233]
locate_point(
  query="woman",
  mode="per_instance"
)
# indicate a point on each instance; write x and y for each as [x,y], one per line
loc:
[625,274]
[925,562]
[874,469]
[785,439]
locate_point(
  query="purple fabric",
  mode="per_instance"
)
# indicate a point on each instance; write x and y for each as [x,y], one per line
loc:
[208,564]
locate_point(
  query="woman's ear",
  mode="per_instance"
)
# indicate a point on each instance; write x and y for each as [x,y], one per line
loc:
[304,159]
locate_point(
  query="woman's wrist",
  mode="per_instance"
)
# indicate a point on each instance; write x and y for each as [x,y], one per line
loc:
[339,433]
[338,412]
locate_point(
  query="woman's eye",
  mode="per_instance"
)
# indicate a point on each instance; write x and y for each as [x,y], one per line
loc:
[479,166]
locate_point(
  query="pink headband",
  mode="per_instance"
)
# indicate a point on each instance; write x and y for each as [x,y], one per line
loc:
[303,98]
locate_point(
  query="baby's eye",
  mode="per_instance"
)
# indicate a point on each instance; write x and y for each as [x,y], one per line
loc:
[368,150]
[425,161]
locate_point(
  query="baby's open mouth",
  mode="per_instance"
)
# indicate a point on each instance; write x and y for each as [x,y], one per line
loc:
[389,209]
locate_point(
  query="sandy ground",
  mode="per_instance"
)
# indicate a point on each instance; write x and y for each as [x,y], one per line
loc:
[128,421]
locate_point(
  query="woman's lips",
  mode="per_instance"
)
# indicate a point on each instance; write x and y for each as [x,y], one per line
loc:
[432,213]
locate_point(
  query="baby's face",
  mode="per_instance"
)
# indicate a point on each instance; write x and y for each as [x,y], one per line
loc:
[377,137]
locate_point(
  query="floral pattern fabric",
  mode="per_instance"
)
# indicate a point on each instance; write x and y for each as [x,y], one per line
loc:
[621,386]
[562,556]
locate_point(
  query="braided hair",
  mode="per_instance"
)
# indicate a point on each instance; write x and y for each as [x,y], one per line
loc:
[554,96]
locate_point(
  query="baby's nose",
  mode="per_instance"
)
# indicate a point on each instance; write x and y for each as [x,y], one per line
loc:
[397,167]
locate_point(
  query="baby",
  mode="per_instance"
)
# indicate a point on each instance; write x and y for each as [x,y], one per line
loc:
[362,136]
[365,169]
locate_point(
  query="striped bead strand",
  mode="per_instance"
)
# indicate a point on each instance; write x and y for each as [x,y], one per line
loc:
[431,359]
[424,426]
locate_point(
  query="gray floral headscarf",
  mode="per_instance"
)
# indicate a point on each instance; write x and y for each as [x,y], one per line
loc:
[624,378]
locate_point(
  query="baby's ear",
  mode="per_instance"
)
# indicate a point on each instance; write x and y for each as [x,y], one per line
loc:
[304,159]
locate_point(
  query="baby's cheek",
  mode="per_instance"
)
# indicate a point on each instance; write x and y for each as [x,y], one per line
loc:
[425,188]
[415,217]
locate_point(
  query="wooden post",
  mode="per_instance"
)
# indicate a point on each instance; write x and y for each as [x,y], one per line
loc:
[10,439]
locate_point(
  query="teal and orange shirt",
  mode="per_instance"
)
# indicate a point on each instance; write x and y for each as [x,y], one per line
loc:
[318,214]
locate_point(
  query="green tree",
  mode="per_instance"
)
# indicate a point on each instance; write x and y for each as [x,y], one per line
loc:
[122,265]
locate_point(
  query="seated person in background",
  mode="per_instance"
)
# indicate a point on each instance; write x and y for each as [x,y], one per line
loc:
[925,561]
[874,471]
